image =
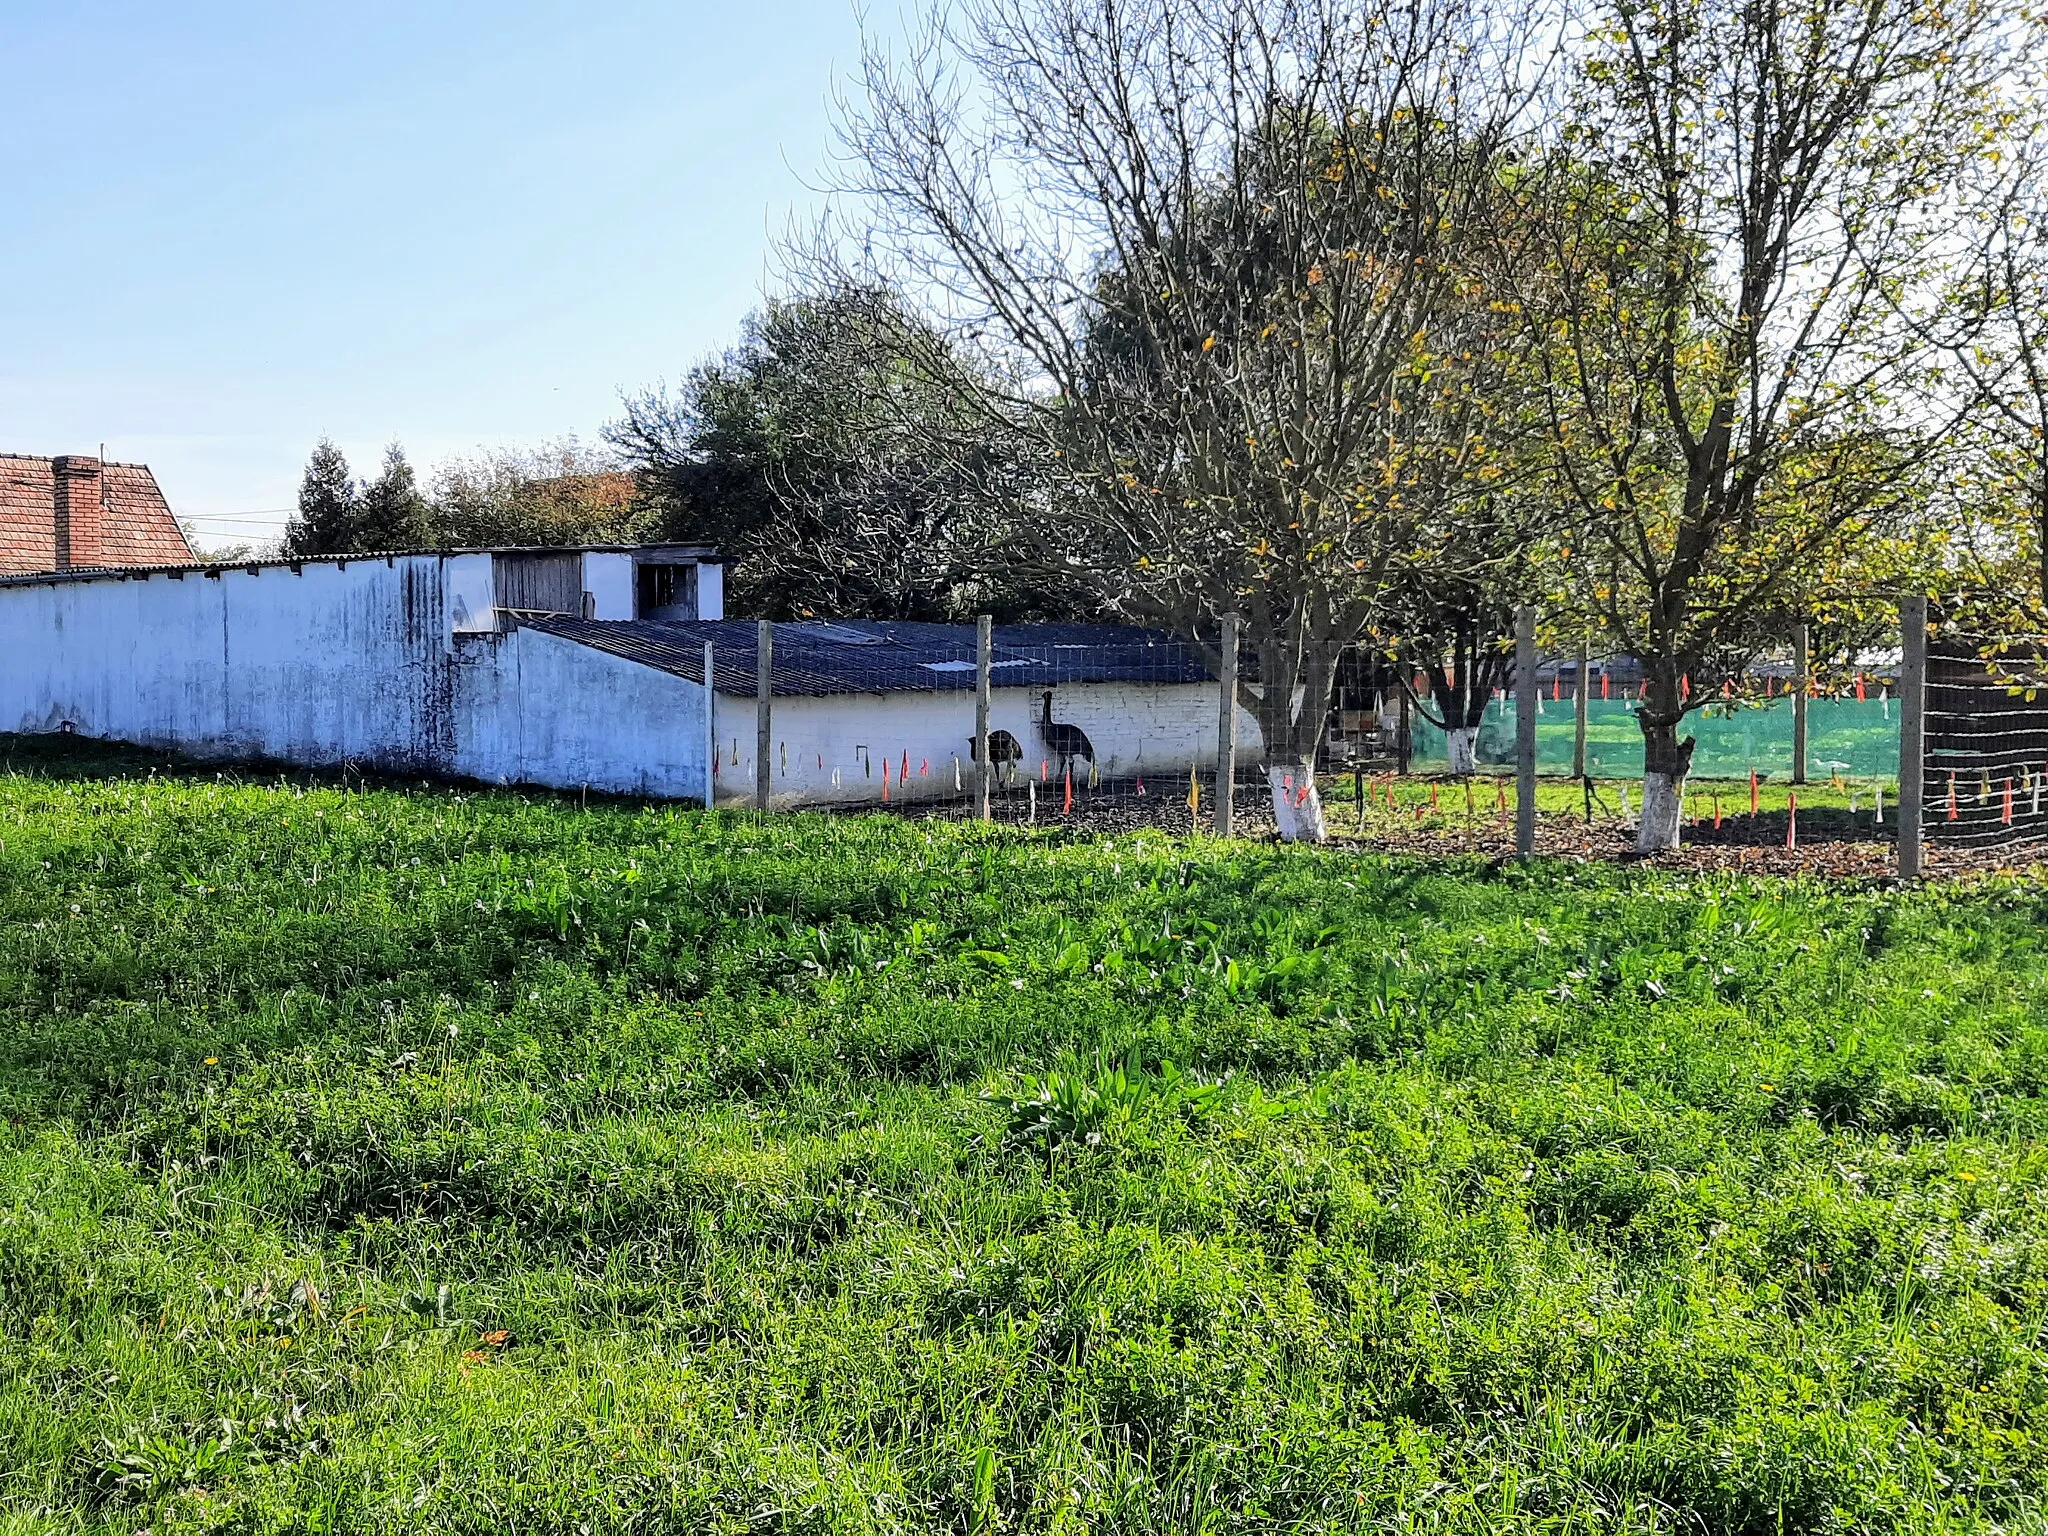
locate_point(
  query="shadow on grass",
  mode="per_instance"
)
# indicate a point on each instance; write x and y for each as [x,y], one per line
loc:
[70,758]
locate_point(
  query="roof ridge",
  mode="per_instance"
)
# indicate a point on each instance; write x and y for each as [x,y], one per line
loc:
[274,562]
[48,458]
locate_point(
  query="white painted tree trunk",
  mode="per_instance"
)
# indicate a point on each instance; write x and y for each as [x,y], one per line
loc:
[1462,742]
[1663,810]
[1299,816]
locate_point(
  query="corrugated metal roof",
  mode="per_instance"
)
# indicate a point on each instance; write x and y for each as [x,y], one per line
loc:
[871,656]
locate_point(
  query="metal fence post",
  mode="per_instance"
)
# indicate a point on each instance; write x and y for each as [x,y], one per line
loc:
[1802,681]
[1226,729]
[984,661]
[1525,730]
[764,711]
[710,730]
[1579,707]
[1912,731]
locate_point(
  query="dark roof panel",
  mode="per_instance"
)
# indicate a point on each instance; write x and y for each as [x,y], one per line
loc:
[873,656]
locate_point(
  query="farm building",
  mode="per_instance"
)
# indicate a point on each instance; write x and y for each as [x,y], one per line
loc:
[574,668]
[409,663]
[858,703]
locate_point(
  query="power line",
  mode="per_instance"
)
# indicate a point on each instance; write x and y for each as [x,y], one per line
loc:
[261,513]
[254,519]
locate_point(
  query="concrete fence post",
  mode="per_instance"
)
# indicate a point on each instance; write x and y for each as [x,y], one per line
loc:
[984,662]
[1912,731]
[710,730]
[1226,729]
[1525,730]
[1802,681]
[764,712]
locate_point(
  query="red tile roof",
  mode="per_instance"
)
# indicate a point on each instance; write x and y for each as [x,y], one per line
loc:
[136,525]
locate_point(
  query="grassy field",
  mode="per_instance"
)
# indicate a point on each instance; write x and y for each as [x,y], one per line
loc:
[449,1162]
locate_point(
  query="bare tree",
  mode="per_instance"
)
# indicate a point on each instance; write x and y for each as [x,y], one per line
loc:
[1220,243]
[1738,196]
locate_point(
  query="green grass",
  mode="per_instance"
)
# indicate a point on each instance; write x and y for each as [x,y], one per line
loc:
[449,1162]
[1837,810]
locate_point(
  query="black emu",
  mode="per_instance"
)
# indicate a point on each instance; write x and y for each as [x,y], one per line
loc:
[1065,742]
[1003,749]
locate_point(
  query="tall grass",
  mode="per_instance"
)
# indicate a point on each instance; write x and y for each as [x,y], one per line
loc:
[476,1162]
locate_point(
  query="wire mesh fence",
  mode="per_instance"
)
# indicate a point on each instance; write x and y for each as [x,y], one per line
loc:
[1986,742]
[1081,722]
[1108,727]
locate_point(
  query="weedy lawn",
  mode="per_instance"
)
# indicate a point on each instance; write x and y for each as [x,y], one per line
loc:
[451,1162]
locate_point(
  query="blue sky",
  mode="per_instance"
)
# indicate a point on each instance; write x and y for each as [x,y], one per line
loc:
[233,228]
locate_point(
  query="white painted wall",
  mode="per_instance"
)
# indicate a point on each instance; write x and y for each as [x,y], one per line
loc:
[371,661]
[710,591]
[328,662]
[608,577]
[829,749]
[549,711]
[472,594]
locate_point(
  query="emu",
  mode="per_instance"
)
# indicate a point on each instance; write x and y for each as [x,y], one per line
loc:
[1003,751]
[1065,742]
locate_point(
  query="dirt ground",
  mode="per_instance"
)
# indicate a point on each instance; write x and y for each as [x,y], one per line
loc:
[1831,841]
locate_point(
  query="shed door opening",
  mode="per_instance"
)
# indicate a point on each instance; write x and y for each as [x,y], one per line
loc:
[667,592]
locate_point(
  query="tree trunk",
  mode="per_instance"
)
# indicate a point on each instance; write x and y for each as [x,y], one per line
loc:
[1666,763]
[2041,528]
[1297,804]
[1461,682]
[1293,701]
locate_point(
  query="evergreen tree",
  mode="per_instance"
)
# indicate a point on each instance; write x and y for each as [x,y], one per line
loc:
[330,506]
[393,513]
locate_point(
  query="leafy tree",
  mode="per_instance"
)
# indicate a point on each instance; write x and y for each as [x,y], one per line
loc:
[1996,320]
[558,493]
[330,506]
[837,457]
[1220,246]
[1737,196]
[237,553]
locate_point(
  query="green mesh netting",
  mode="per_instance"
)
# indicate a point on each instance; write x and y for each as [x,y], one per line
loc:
[1857,740]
